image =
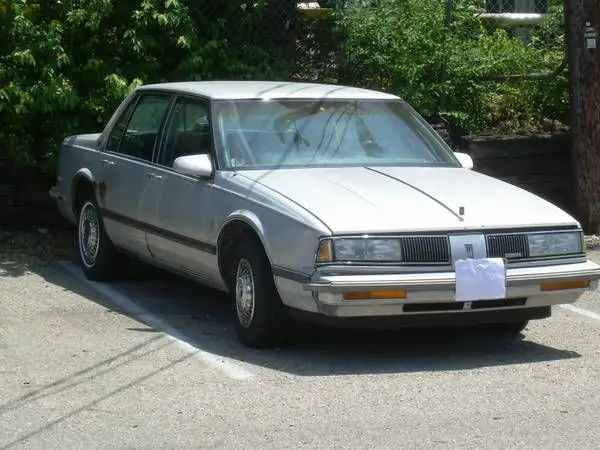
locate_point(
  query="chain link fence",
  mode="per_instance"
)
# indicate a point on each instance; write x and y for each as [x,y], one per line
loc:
[267,23]
[516,6]
[302,35]
[299,36]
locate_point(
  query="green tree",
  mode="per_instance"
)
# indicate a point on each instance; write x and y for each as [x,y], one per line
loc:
[403,46]
[65,65]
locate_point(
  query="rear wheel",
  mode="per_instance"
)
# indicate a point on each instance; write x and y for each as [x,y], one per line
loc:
[98,256]
[260,316]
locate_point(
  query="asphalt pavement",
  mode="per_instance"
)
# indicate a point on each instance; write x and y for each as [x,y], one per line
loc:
[153,363]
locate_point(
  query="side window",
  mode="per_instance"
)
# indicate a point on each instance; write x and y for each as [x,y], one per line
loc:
[112,144]
[144,126]
[188,131]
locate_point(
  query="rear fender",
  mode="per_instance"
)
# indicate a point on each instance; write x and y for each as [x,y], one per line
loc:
[80,175]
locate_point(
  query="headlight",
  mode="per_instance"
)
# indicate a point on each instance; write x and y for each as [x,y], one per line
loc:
[554,244]
[362,249]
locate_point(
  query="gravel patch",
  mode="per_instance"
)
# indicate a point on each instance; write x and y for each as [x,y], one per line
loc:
[22,251]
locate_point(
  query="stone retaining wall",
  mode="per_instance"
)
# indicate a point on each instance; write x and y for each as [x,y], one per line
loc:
[540,164]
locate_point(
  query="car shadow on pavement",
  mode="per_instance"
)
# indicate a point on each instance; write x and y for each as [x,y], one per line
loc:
[202,317]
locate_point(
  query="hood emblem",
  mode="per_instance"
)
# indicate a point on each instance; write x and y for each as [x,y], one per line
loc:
[469,251]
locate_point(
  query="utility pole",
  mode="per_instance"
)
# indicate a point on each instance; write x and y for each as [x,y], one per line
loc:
[582,20]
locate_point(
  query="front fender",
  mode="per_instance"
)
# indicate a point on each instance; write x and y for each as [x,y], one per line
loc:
[286,246]
[252,220]
[290,246]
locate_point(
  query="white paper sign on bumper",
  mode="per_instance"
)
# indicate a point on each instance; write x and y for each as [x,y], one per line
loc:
[480,279]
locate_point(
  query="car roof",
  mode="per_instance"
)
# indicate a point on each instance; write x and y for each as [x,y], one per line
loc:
[241,90]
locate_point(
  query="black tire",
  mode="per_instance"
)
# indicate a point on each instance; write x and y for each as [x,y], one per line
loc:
[101,261]
[265,326]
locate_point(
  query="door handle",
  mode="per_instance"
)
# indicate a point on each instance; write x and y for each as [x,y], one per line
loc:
[154,175]
[107,162]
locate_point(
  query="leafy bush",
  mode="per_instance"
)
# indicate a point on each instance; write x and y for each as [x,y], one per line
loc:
[404,46]
[65,65]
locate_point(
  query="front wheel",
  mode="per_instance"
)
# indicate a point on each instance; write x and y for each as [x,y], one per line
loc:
[260,315]
[98,256]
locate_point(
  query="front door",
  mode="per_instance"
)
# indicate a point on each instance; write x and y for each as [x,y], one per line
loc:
[178,206]
[126,159]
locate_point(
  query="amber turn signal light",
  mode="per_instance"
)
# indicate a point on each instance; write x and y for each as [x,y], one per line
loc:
[372,295]
[560,286]
[324,252]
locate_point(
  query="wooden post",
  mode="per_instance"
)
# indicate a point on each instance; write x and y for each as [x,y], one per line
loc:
[582,19]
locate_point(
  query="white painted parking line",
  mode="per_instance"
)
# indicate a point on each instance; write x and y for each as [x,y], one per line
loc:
[225,365]
[581,311]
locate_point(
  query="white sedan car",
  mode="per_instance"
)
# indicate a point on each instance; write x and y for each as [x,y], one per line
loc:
[316,201]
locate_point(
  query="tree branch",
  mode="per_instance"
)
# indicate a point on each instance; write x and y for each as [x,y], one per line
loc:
[550,75]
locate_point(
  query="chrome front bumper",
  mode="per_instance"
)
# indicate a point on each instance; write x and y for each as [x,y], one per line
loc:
[439,288]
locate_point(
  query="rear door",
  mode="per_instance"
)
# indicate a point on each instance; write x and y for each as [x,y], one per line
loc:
[126,159]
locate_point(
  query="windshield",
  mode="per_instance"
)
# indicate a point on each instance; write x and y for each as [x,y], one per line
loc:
[266,134]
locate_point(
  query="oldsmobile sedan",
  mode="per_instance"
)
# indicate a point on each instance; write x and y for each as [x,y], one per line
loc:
[318,202]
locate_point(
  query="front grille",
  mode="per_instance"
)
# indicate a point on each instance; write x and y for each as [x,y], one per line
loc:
[436,250]
[510,246]
[426,249]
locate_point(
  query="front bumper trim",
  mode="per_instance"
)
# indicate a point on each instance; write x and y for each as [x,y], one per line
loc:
[446,281]
[451,319]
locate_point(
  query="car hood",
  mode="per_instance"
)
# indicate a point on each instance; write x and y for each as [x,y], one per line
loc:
[389,199]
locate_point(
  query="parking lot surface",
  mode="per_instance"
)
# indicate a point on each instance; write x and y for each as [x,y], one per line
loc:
[154,363]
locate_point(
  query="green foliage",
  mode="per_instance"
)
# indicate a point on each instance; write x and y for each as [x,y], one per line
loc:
[404,46]
[65,65]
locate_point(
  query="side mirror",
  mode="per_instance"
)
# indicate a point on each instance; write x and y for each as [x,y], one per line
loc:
[465,160]
[197,166]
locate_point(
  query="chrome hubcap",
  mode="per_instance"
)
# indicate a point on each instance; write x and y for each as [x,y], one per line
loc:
[244,293]
[89,234]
